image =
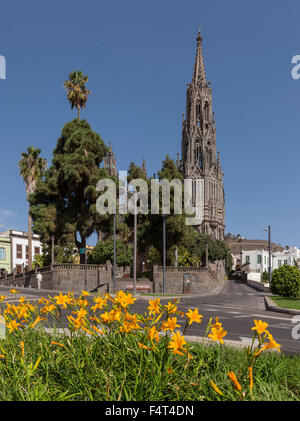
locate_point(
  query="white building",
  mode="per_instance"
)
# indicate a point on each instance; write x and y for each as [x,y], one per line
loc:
[259,259]
[19,248]
[287,257]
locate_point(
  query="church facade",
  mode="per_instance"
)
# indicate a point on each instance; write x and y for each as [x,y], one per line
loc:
[199,157]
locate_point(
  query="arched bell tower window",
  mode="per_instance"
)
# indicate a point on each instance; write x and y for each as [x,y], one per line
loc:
[206,111]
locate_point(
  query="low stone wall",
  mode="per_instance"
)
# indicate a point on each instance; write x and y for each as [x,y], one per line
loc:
[201,280]
[258,285]
[122,283]
[64,277]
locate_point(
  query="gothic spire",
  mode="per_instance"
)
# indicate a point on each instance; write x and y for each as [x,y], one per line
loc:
[199,76]
[110,161]
[178,161]
[144,166]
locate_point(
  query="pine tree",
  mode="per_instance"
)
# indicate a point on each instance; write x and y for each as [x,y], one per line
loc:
[64,200]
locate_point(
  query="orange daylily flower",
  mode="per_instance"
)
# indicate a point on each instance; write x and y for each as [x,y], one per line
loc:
[194,316]
[217,324]
[177,342]
[22,347]
[234,380]
[97,330]
[153,334]
[154,306]
[144,346]
[37,320]
[269,345]
[171,308]
[215,387]
[170,324]
[62,300]
[105,317]
[13,291]
[57,343]
[217,334]
[251,378]
[13,325]
[260,326]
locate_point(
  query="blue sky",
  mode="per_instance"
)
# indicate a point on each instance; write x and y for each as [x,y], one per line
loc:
[139,56]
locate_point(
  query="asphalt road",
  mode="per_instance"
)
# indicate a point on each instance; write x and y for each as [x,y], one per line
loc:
[236,305]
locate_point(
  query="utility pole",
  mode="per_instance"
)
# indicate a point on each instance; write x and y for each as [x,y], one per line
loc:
[164,254]
[134,238]
[206,255]
[85,271]
[115,255]
[135,244]
[269,246]
[52,250]
[270,264]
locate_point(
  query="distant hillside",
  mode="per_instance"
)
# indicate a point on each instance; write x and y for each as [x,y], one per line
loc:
[235,244]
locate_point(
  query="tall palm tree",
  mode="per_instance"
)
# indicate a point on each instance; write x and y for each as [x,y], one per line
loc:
[77,93]
[32,167]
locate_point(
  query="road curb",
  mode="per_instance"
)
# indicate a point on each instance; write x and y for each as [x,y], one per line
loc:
[274,307]
[228,342]
[34,290]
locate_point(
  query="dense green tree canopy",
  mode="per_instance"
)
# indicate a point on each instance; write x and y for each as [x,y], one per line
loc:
[63,203]
[104,252]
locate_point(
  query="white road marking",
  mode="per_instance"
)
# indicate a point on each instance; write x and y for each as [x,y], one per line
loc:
[271,317]
[282,326]
[221,307]
[233,312]
[17,301]
[247,340]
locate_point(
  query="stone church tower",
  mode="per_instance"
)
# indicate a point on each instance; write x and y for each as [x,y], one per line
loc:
[110,161]
[198,149]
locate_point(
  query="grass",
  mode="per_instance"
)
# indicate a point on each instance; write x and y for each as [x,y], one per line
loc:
[286,302]
[111,368]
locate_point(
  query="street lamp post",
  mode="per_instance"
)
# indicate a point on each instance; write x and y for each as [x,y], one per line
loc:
[134,239]
[164,254]
[52,250]
[85,270]
[115,254]
[135,244]
[269,246]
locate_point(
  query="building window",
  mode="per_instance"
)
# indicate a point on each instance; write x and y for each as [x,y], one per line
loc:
[2,253]
[265,260]
[259,259]
[285,262]
[247,259]
[19,251]
[279,263]
[19,268]
[37,250]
